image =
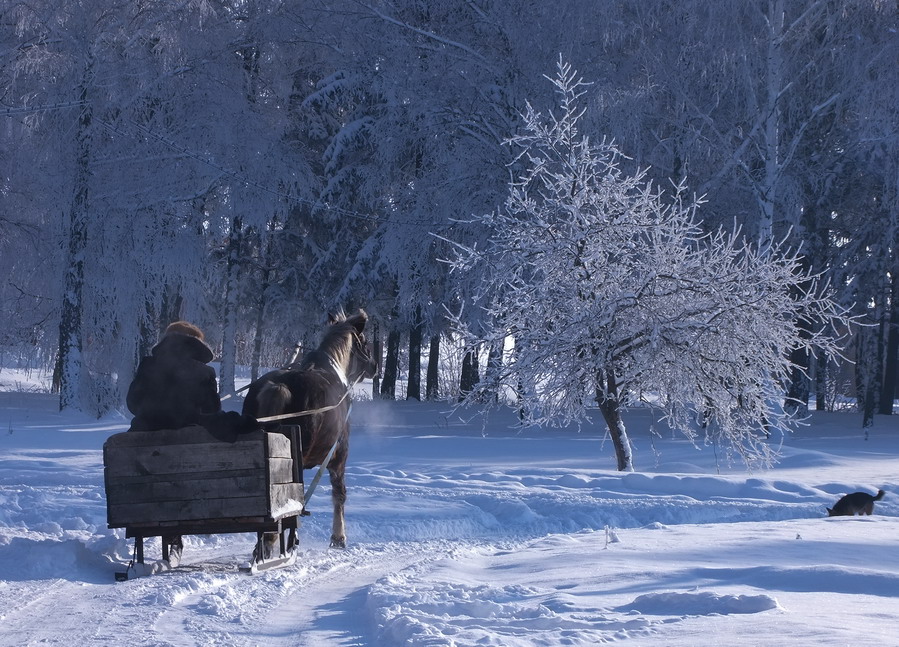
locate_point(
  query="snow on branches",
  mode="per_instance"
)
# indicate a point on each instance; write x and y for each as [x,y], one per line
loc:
[611,292]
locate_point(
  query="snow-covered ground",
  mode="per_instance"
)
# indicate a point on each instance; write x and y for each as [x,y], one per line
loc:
[463,532]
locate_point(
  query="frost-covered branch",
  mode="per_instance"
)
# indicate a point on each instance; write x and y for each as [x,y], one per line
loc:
[610,291]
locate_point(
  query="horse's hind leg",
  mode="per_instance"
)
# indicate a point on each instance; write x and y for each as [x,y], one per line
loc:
[338,498]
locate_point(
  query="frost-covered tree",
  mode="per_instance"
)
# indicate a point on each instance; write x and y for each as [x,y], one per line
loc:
[71,77]
[863,201]
[612,293]
[761,105]
[415,126]
[148,129]
[137,135]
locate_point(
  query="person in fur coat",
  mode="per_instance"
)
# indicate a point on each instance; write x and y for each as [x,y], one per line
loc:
[174,387]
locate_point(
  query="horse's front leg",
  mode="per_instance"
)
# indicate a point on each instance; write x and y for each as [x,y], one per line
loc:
[338,498]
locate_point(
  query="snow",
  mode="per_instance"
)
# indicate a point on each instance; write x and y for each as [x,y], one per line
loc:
[466,531]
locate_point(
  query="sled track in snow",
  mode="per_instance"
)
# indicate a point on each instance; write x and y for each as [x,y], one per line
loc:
[320,600]
[206,601]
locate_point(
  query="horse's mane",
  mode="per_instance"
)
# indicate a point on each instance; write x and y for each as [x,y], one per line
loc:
[337,342]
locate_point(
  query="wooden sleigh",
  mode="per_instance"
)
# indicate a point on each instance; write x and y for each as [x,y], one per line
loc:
[188,482]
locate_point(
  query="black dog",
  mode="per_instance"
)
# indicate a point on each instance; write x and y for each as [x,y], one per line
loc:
[855,503]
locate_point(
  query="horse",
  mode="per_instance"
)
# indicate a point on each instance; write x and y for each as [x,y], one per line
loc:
[322,379]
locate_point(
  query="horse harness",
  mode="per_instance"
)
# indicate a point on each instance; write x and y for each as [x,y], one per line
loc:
[284,416]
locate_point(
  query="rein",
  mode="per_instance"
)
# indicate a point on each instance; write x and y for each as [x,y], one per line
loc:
[297,350]
[310,412]
[341,375]
[321,470]
[324,464]
[348,387]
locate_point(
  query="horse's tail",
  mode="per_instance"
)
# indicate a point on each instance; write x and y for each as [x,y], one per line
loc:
[272,400]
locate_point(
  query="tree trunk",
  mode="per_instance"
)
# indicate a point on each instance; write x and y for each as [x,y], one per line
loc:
[413,388]
[867,372]
[259,335]
[432,387]
[229,333]
[774,71]
[376,353]
[869,405]
[148,331]
[264,282]
[607,398]
[494,364]
[891,361]
[798,391]
[388,385]
[469,377]
[526,392]
[821,369]
[69,360]
[171,308]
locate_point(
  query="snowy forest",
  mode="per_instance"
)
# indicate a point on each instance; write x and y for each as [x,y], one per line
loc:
[250,166]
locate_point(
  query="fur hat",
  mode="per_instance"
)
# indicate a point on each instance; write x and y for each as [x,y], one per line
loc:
[184,328]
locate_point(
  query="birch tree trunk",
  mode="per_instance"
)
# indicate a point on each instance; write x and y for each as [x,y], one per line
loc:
[69,360]
[767,193]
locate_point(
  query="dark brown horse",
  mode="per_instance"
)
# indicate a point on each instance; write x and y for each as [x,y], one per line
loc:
[321,380]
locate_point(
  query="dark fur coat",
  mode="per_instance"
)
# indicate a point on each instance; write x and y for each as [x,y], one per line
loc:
[173,387]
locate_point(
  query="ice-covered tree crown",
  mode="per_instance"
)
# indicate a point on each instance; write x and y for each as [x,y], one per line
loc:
[611,292]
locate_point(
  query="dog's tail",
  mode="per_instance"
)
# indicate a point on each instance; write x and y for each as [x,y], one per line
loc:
[879,496]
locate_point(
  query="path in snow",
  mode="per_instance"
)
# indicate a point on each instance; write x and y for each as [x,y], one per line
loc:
[466,536]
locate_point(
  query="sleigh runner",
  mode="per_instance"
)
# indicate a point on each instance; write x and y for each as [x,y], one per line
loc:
[188,482]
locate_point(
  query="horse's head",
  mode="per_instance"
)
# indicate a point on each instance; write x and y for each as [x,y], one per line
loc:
[358,362]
